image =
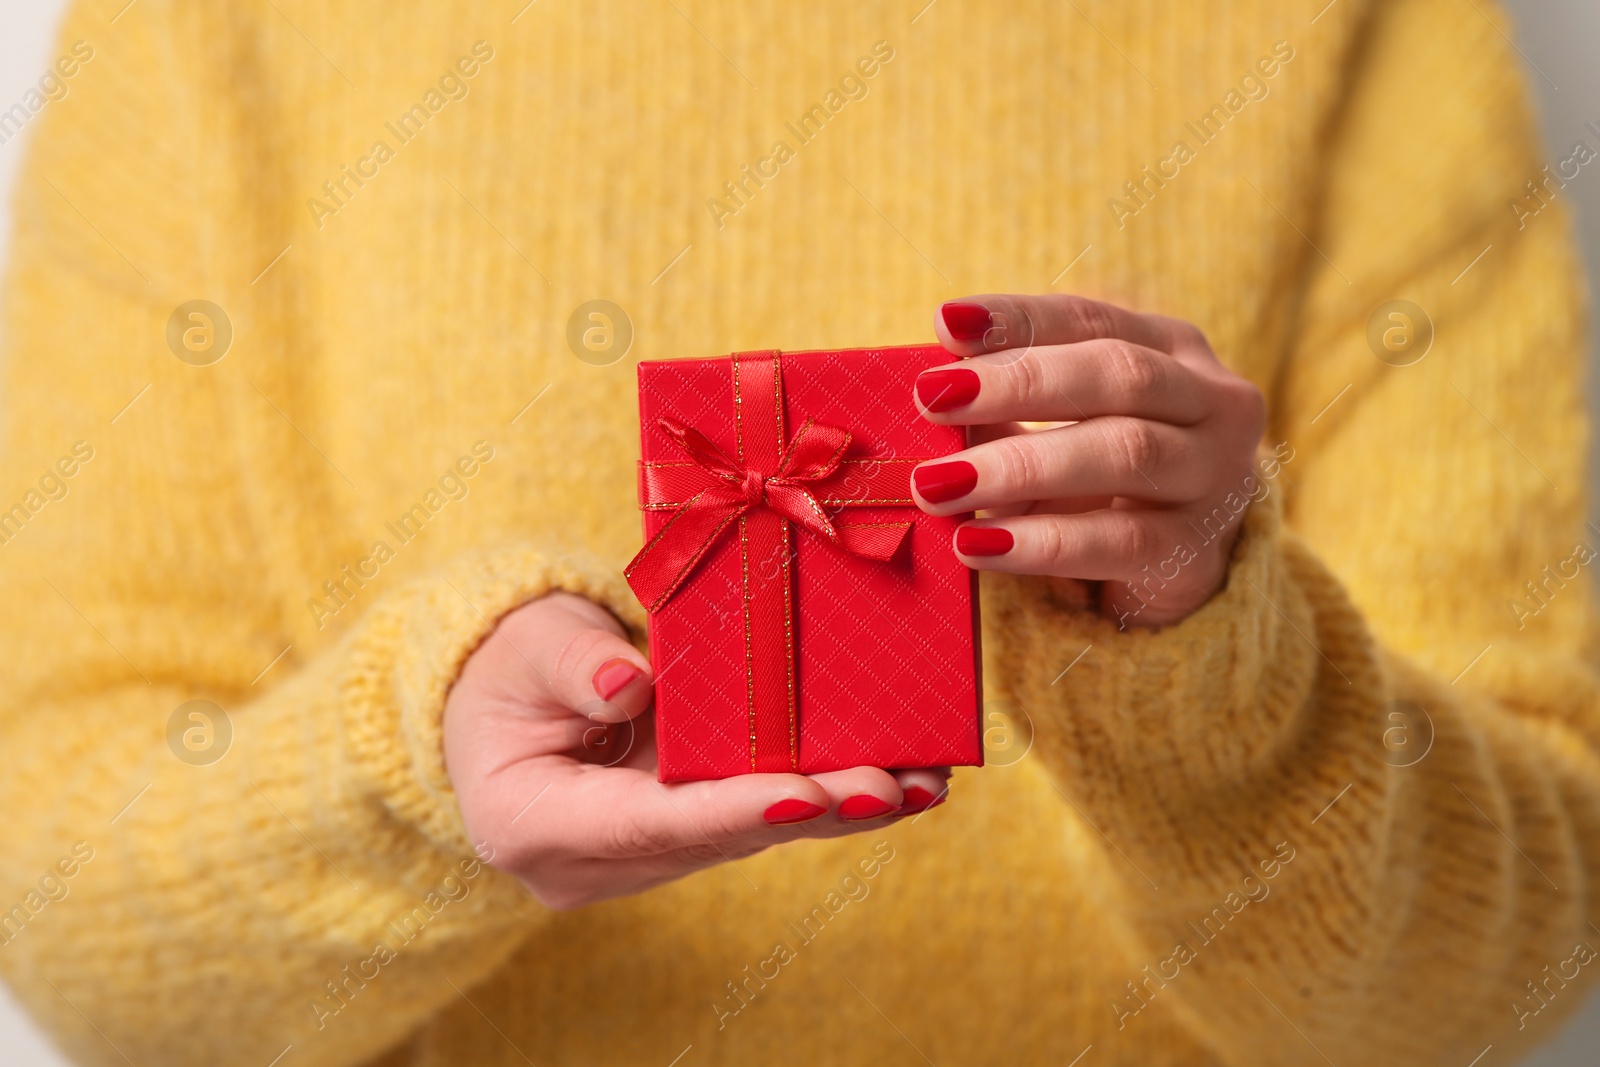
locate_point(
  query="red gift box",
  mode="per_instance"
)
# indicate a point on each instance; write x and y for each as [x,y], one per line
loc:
[805,616]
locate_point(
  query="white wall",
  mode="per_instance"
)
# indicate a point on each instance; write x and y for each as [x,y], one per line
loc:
[1556,36]
[27,34]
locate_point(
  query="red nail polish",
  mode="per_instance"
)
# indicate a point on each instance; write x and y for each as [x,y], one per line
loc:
[948,388]
[939,482]
[614,676]
[792,810]
[864,806]
[919,799]
[983,540]
[966,322]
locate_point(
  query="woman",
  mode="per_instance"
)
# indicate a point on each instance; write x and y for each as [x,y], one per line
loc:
[1323,790]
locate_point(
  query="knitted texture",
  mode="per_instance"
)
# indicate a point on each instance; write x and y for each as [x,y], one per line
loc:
[1214,849]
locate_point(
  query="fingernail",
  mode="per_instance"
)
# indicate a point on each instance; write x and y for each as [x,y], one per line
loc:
[939,482]
[864,806]
[948,388]
[919,799]
[966,322]
[983,540]
[614,676]
[792,810]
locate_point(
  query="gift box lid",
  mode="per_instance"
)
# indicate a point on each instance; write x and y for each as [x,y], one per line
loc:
[881,655]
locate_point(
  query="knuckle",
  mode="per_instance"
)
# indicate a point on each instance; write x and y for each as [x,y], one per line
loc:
[1188,335]
[1136,442]
[1029,381]
[1017,468]
[567,669]
[1133,371]
[1089,318]
[1133,543]
[1053,547]
[636,837]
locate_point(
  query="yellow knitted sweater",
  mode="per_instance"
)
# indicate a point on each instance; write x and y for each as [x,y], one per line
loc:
[1349,811]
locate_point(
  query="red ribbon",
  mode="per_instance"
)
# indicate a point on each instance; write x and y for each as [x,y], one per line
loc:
[770,485]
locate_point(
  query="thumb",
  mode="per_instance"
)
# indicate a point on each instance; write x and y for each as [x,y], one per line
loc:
[581,657]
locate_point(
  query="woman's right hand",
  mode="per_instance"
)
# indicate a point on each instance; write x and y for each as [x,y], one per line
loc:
[553,762]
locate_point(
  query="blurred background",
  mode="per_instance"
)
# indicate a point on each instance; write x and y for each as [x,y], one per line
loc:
[1556,39]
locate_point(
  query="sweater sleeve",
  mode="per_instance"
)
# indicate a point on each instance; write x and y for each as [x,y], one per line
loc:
[1354,801]
[300,816]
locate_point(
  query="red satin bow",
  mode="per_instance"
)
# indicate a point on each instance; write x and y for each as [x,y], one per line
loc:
[722,490]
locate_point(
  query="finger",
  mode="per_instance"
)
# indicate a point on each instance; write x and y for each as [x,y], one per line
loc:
[922,788]
[1111,456]
[1149,547]
[628,814]
[742,814]
[533,811]
[695,857]
[859,794]
[584,661]
[609,820]
[1065,382]
[1002,321]
[994,432]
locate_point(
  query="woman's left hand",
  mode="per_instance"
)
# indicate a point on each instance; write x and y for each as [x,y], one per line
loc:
[1146,488]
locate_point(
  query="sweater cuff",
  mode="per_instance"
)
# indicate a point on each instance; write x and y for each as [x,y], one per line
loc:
[1184,707]
[409,651]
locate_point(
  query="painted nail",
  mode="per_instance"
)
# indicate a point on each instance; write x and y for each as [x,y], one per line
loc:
[792,810]
[983,540]
[864,806]
[966,322]
[939,482]
[613,677]
[919,799]
[948,388]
